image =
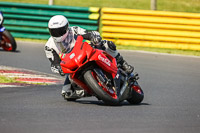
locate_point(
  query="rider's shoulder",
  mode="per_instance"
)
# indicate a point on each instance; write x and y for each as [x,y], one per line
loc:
[50,42]
[77,29]
[74,27]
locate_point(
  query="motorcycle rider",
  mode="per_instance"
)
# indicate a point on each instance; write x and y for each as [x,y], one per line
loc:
[62,40]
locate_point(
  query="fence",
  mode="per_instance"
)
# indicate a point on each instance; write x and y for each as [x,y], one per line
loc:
[31,20]
[151,28]
[144,28]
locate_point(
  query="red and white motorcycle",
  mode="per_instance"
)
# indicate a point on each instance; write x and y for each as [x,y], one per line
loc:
[7,41]
[96,72]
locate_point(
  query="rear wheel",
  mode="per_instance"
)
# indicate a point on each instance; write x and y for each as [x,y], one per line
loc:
[103,92]
[8,42]
[137,94]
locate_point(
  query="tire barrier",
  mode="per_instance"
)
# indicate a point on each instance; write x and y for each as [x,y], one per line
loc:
[160,29]
[31,20]
[145,28]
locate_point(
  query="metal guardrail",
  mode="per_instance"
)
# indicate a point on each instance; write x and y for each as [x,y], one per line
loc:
[31,20]
[146,28]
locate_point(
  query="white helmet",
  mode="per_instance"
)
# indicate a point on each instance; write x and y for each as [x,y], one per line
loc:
[58,27]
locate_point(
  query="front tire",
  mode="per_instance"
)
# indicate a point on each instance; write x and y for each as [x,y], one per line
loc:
[96,87]
[137,94]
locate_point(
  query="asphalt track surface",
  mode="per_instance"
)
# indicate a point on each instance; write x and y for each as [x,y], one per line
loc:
[171,105]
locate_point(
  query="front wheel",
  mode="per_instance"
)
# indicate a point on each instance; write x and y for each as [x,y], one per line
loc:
[137,94]
[107,94]
[8,42]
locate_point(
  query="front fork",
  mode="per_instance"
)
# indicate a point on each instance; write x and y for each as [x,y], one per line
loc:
[127,82]
[122,82]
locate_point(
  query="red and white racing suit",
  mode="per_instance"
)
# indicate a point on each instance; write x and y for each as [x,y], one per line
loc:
[53,49]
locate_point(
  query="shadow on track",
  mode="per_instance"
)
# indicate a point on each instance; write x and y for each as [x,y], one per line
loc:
[100,103]
[17,51]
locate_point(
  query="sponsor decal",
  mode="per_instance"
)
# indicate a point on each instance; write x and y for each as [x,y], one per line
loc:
[72,55]
[117,76]
[63,56]
[105,60]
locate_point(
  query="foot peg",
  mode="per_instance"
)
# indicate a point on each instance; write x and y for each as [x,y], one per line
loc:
[134,77]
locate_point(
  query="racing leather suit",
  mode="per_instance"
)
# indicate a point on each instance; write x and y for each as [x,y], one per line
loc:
[53,49]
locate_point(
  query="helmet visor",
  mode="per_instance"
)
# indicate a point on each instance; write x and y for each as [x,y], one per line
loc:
[57,32]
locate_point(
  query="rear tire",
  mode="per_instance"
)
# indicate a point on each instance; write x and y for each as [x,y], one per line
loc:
[98,90]
[9,41]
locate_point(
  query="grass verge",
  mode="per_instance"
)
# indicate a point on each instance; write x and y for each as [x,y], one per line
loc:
[163,5]
[4,79]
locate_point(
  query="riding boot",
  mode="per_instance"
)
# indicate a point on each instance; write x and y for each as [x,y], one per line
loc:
[72,91]
[123,64]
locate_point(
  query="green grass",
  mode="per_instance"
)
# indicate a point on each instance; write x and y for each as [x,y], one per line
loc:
[163,5]
[4,79]
[179,5]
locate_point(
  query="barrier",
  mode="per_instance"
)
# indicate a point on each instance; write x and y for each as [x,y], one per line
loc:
[31,20]
[146,28]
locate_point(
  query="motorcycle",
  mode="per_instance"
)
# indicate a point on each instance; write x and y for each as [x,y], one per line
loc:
[97,73]
[7,42]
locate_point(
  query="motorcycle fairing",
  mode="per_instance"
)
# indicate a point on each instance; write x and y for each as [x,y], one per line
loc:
[81,84]
[79,55]
[83,53]
[84,57]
